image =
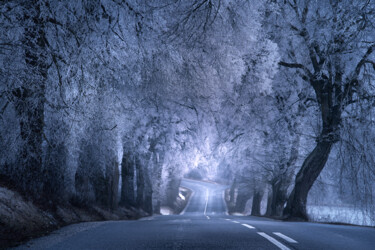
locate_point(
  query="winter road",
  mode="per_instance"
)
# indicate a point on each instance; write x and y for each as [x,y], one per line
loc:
[205,225]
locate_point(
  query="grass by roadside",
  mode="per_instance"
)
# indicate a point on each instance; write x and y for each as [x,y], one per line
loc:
[336,215]
[21,219]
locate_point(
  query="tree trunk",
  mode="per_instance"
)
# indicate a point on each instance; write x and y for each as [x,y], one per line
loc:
[84,189]
[278,199]
[55,178]
[232,191]
[140,182]
[172,190]
[277,196]
[144,187]
[113,185]
[242,197]
[269,206]
[127,177]
[147,196]
[257,199]
[329,97]
[309,172]
[158,160]
[30,99]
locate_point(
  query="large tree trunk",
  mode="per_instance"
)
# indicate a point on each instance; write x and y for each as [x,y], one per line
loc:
[309,172]
[144,186]
[278,199]
[172,190]
[140,182]
[128,181]
[55,178]
[269,201]
[277,196]
[257,199]
[30,99]
[242,197]
[147,196]
[113,180]
[114,188]
[232,192]
[329,96]
[84,189]
[158,160]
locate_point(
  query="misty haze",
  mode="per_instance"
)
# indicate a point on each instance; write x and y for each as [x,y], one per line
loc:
[187,124]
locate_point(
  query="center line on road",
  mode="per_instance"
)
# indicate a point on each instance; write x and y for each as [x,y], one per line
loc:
[273,241]
[208,217]
[285,237]
[248,226]
[227,219]
[235,221]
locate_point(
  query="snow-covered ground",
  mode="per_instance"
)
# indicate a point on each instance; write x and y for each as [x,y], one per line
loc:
[340,214]
[164,210]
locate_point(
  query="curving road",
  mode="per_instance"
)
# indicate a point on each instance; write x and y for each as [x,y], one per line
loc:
[204,224]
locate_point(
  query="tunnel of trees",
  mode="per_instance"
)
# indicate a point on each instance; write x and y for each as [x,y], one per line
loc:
[112,102]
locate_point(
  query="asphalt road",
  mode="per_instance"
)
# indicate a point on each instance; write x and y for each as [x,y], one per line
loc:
[204,224]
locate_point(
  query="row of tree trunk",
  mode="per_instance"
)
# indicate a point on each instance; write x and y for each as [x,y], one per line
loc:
[279,204]
[136,188]
[138,191]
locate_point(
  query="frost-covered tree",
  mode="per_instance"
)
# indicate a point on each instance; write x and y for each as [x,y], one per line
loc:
[329,45]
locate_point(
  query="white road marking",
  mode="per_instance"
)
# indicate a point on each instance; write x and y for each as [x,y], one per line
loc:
[285,237]
[227,219]
[235,221]
[273,241]
[205,208]
[208,217]
[248,226]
